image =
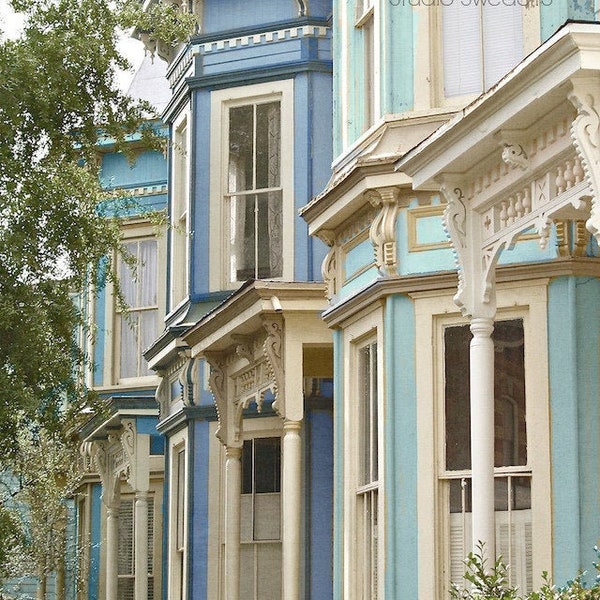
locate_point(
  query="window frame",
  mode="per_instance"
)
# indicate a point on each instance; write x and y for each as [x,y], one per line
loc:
[366,330]
[179,217]
[219,236]
[177,556]
[434,312]
[531,40]
[132,230]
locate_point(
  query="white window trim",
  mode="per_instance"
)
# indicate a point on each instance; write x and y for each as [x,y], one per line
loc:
[433,312]
[253,428]
[368,329]
[531,40]
[221,101]
[370,9]
[131,231]
[180,203]
[177,577]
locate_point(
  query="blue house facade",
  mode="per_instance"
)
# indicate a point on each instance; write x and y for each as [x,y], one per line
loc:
[245,362]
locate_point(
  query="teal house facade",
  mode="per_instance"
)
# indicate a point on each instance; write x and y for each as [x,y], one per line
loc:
[462,279]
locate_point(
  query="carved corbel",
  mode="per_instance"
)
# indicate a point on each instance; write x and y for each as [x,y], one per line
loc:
[585,131]
[383,228]
[329,267]
[515,156]
[475,265]
[162,394]
[217,385]
[188,379]
[108,478]
[273,351]
[129,449]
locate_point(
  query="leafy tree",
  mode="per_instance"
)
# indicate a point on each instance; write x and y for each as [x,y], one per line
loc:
[59,97]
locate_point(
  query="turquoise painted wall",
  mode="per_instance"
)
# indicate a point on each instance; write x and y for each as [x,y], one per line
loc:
[554,13]
[401,468]
[574,381]
[399,25]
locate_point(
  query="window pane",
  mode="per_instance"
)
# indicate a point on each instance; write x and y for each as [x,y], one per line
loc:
[269,571]
[241,142]
[148,272]
[502,39]
[267,515]
[256,236]
[129,346]
[126,537]
[461,39]
[149,329]
[247,460]
[268,144]
[126,276]
[368,414]
[510,448]
[267,469]
[509,390]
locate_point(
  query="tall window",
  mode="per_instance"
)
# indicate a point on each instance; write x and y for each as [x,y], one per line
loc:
[512,473]
[481,43]
[366,24]
[260,534]
[367,491]
[139,325]
[254,192]
[126,555]
[178,520]
[179,214]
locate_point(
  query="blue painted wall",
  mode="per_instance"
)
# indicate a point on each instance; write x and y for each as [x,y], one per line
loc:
[574,328]
[198,513]
[236,14]
[554,13]
[319,501]
[95,538]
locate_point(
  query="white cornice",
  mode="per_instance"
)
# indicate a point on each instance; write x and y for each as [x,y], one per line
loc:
[532,89]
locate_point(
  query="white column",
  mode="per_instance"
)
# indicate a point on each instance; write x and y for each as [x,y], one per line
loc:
[141,545]
[112,551]
[482,434]
[292,507]
[233,490]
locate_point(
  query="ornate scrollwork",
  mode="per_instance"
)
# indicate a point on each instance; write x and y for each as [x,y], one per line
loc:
[244,346]
[329,272]
[383,228]
[515,155]
[217,385]
[585,132]
[188,379]
[162,394]
[273,350]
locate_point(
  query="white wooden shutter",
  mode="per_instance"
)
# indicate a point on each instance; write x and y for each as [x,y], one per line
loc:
[462,52]
[502,40]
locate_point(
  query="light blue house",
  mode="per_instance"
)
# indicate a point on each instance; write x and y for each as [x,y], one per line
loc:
[119,504]
[465,135]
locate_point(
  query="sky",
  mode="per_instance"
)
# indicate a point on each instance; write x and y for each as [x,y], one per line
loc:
[11,24]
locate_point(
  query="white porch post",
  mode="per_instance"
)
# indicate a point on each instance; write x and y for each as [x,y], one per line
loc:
[482,434]
[141,545]
[233,490]
[112,550]
[292,506]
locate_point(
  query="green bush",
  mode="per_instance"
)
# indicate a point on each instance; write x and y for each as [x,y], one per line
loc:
[485,583]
